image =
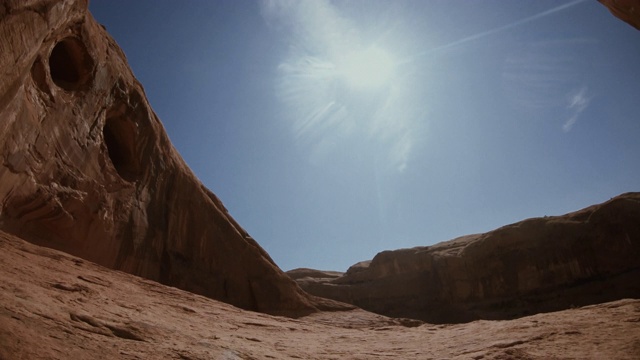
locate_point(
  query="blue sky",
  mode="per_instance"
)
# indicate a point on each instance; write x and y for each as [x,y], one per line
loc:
[333,130]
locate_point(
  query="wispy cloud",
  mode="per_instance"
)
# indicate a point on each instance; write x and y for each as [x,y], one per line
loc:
[578,101]
[497,30]
[549,76]
[324,111]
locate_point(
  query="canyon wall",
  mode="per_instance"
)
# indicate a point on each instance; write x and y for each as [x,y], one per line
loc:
[536,265]
[87,168]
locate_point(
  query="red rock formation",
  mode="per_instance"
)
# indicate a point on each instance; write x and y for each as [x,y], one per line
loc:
[87,168]
[537,265]
[625,10]
[57,306]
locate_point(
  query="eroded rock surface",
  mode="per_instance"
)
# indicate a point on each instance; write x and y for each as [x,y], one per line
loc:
[57,306]
[87,168]
[536,265]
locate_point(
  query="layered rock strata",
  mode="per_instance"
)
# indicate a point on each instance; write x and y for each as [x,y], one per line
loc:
[87,168]
[536,265]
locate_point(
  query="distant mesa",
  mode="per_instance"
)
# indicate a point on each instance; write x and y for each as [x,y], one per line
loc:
[537,265]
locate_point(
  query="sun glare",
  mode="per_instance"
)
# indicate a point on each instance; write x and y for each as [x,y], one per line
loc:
[343,87]
[367,69]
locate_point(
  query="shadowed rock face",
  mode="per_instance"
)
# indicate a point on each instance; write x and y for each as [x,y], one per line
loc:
[536,265]
[625,10]
[87,168]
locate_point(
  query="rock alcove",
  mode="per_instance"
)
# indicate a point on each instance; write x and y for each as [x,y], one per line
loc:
[119,137]
[70,65]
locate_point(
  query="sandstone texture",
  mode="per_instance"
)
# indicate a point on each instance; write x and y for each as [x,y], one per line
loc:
[536,265]
[625,10]
[110,212]
[87,168]
[57,306]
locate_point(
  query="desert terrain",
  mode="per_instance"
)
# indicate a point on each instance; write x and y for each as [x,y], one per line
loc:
[111,248]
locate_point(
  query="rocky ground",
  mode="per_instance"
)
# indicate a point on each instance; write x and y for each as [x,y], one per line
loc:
[56,306]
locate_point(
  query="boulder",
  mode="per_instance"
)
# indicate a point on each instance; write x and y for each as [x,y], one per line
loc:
[87,168]
[536,265]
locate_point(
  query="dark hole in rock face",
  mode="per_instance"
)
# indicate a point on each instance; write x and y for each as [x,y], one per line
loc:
[70,64]
[119,136]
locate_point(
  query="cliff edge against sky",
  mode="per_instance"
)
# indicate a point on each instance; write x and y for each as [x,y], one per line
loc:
[87,168]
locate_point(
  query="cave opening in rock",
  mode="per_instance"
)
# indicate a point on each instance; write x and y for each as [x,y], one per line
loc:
[70,65]
[119,137]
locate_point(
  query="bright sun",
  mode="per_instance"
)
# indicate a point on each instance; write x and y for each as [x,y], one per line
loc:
[367,69]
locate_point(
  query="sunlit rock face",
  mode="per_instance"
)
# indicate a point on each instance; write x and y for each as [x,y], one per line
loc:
[87,168]
[537,265]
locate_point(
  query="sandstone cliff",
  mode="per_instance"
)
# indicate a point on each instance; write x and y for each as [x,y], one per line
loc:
[87,168]
[537,265]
